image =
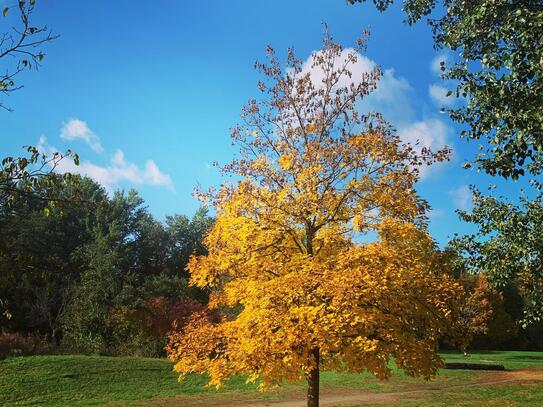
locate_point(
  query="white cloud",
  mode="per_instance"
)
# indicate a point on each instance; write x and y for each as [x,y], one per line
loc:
[154,176]
[431,134]
[439,95]
[391,98]
[433,214]
[78,129]
[461,197]
[117,171]
[42,145]
[359,69]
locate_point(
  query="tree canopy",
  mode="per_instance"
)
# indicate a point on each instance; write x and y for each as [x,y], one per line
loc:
[92,272]
[287,254]
[498,75]
[507,247]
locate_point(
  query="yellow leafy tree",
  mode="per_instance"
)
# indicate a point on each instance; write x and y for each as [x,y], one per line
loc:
[320,252]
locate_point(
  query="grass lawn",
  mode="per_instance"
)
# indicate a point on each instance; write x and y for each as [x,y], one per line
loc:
[97,380]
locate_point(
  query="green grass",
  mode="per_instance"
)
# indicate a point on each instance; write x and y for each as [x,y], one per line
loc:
[97,380]
[463,391]
[521,395]
[94,380]
[510,359]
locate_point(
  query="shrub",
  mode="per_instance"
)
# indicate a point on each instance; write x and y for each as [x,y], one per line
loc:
[18,344]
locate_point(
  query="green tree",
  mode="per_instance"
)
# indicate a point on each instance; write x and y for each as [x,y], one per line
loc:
[507,247]
[40,245]
[83,268]
[111,274]
[132,260]
[186,235]
[86,322]
[499,73]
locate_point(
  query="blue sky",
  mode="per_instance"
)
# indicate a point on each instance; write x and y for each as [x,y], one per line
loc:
[146,91]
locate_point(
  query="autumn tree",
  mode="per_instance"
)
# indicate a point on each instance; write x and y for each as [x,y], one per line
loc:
[478,303]
[290,253]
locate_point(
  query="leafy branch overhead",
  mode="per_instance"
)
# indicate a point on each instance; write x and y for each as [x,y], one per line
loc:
[20,175]
[499,72]
[20,45]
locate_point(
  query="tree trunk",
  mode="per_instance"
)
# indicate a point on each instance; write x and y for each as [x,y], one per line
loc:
[313,382]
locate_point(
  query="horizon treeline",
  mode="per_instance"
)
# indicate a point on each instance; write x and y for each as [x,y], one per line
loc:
[94,273]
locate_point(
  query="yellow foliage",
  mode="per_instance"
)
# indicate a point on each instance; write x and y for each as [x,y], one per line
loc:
[291,260]
[285,161]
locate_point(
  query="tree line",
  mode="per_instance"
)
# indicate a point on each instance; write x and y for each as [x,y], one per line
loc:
[95,273]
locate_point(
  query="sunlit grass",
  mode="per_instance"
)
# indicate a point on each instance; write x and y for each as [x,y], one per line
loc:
[99,380]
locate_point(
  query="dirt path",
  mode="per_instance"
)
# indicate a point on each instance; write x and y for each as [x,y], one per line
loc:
[339,397]
[350,397]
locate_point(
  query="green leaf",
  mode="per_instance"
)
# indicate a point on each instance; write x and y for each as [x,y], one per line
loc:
[499,71]
[5,11]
